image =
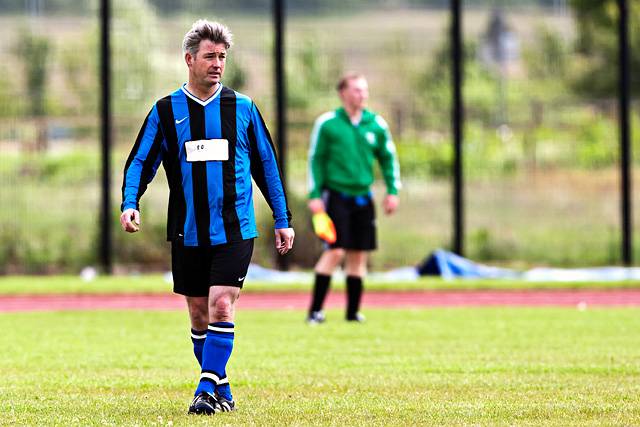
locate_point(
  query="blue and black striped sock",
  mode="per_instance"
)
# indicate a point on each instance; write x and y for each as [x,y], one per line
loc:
[198,338]
[215,355]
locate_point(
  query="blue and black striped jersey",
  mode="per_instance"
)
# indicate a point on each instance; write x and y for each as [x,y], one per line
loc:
[210,202]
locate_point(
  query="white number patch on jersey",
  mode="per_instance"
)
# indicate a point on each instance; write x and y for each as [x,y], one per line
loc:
[207,149]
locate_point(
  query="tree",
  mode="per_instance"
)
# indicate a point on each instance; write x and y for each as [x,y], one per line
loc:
[34,51]
[597,44]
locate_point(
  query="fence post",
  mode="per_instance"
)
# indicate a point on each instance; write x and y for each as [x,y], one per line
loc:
[624,88]
[105,80]
[457,122]
[281,100]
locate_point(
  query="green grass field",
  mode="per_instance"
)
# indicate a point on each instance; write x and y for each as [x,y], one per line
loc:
[482,366]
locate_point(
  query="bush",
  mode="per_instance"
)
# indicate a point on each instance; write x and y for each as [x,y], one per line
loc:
[422,159]
[597,144]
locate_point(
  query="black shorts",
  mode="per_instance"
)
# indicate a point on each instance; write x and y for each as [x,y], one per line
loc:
[196,268]
[354,219]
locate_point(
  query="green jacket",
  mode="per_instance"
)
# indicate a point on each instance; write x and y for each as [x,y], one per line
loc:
[341,154]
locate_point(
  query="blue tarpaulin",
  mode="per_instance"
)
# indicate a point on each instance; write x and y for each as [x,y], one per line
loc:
[451,266]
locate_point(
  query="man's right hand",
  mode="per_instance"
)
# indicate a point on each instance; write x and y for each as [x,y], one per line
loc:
[316,205]
[126,220]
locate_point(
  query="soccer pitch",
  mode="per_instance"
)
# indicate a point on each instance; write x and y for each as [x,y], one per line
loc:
[445,366]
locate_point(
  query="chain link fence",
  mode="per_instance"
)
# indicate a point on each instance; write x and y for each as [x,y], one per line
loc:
[541,138]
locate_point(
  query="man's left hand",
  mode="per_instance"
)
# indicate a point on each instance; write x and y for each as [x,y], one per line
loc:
[284,240]
[390,203]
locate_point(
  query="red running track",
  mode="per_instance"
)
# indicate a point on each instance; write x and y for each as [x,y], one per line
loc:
[300,300]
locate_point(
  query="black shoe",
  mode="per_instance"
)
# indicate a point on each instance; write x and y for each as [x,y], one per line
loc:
[315,317]
[358,317]
[204,403]
[226,405]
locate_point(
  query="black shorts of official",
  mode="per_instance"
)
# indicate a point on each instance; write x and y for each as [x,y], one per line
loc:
[354,219]
[196,268]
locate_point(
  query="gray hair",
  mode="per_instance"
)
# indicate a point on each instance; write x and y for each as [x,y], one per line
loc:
[205,30]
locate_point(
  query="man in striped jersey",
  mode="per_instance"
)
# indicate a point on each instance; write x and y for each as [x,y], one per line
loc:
[211,141]
[344,145]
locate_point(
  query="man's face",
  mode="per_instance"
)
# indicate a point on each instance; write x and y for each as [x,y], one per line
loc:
[355,94]
[207,67]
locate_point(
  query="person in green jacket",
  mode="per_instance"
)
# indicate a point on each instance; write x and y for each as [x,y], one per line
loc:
[344,145]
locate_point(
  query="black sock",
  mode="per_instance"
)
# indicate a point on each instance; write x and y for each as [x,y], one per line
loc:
[320,289]
[354,293]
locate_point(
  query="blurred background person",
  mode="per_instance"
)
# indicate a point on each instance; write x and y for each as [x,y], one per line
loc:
[344,144]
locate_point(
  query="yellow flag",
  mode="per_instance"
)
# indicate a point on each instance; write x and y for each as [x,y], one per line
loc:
[323,227]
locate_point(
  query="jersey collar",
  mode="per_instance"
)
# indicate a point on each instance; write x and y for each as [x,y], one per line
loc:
[364,118]
[198,100]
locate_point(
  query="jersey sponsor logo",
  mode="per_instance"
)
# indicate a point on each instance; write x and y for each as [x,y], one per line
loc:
[181,120]
[371,137]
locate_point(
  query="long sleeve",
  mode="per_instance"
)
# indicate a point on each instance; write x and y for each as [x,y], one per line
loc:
[265,171]
[317,157]
[388,159]
[143,161]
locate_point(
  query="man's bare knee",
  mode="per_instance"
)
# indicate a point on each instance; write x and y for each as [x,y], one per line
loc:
[335,256]
[198,312]
[337,253]
[329,260]
[356,263]
[221,309]
[222,303]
